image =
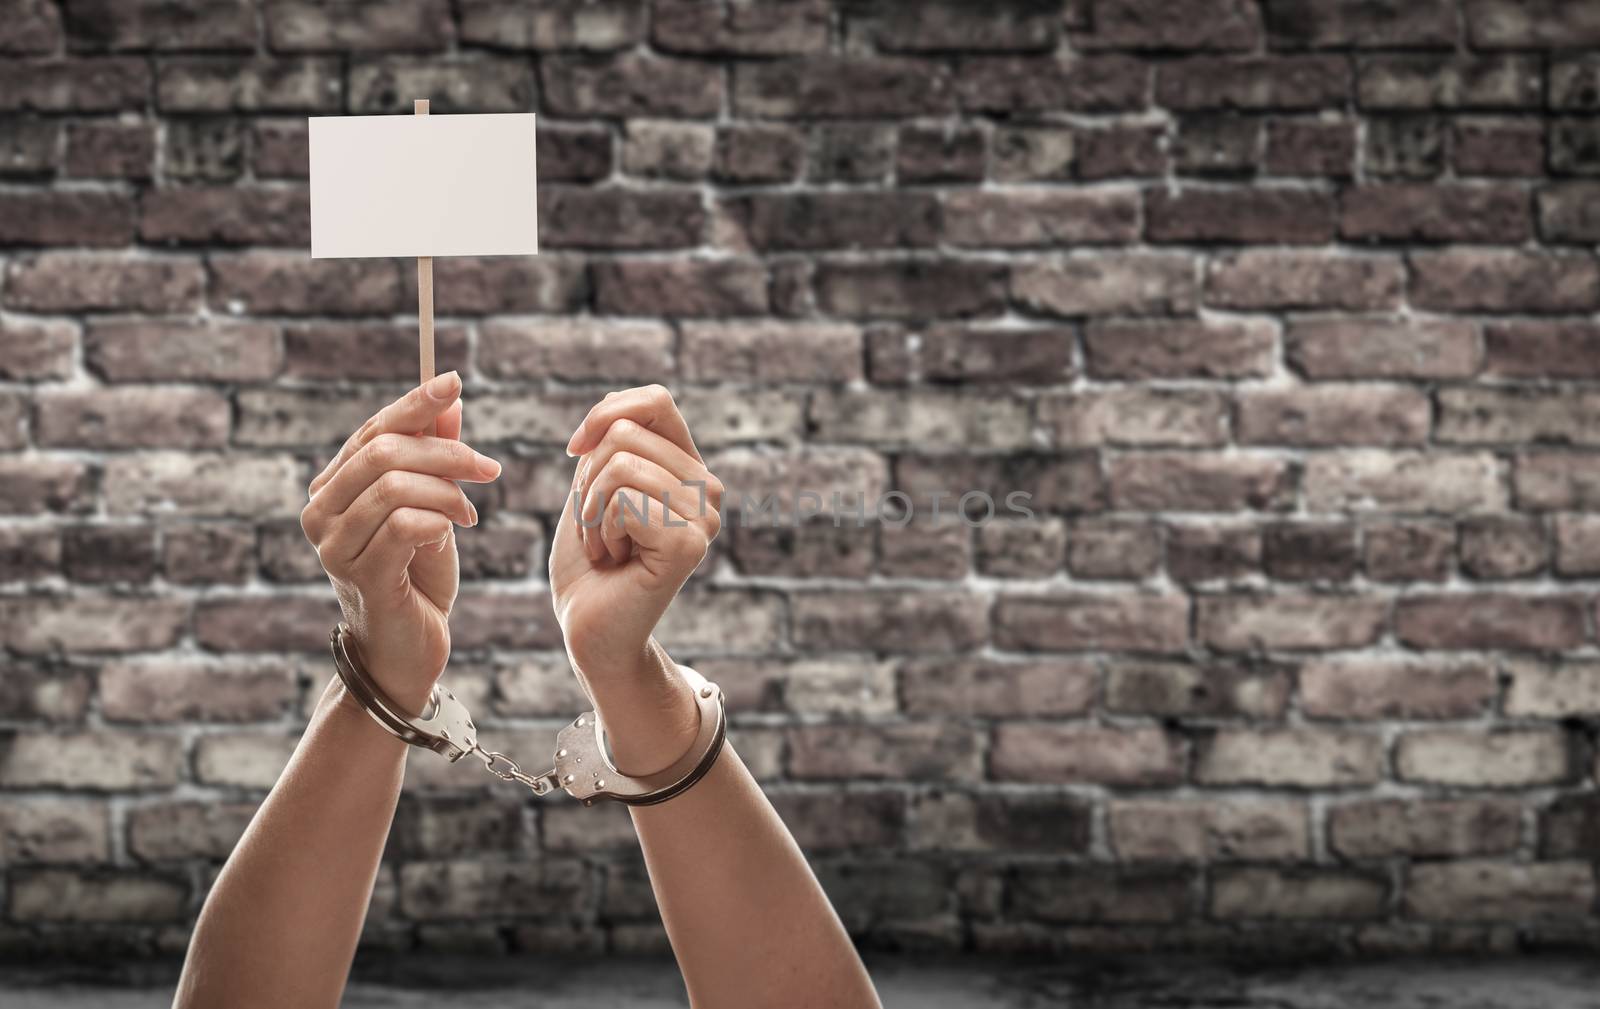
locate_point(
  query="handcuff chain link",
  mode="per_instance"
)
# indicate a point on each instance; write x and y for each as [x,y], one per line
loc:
[543,784]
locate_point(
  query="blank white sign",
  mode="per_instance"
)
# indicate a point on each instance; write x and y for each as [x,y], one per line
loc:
[423,186]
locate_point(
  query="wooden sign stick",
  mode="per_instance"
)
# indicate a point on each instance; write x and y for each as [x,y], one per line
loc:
[424,298]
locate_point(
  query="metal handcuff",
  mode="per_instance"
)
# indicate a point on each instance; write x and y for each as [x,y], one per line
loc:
[582,766]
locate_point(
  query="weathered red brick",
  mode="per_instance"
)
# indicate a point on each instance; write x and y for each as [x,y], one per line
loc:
[1034,153]
[1471,758]
[1300,893]
[214,216]
[65,218]
[1285,216]
[1180,348]
[1384,828]
[916,751]
[721,287]
[1377,480]
[1276,82]
[37,484]
[630,85]
[619,218]
[996,688]
[1420,82]
[1499,891]
[1013,85]
[910,288]
[1165,830]
[1396,688]
[1333,415]
[1404,551]
[753,153]
[1290,757]
[485,84]
[133,418]
[927,621]
[104,760]
[841,88]
[207,484]
[75,85]
[969,353]
[109,896]
[1173,689]
[699,27]
[1502,281]
[1021,219]
[290,284]
[1503,547]
[150,24]
[34,26]
[1109,284]
[1303,280]
[594,27]
[1541,689]
[1338,24]
[1382,348]
[1200,483]
[1498,148]
[1491,621]
[1147,24]
[937,154]
[1512,415]
[1577,544]
[415,25]
[1289,622]
[109,553]
[1436,212]
[219,84]
[1092,622]
[1057,752]
[1310,551]
[1512,24]
[51,830]
[1310,147]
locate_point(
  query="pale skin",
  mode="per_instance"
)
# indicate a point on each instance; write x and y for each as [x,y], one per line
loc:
[748,923]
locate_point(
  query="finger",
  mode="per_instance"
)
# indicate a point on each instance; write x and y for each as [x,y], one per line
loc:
[449,424]
[651,407]
[410,414]
[624,469]
[667,541]
[354,529]
[395,542]
[391,452]
[627,435]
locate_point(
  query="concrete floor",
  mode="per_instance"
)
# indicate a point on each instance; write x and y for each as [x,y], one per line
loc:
[1163,984]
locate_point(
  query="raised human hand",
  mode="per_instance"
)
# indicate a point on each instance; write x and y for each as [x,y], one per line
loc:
[382,517]
[649,511]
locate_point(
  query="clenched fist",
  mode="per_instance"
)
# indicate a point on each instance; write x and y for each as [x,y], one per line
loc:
[382,516]
[642,513]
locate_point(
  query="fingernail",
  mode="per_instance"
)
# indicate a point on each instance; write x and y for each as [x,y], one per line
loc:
[472,513]
[443,386]
[487,466]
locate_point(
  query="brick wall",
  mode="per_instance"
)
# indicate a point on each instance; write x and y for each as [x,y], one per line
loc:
[1283,313]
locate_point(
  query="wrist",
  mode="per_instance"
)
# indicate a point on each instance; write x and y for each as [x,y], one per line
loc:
[408,690]
[648,713]
[338,708]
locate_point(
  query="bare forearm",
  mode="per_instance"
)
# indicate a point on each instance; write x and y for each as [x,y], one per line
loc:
[748,922]
[281,924]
